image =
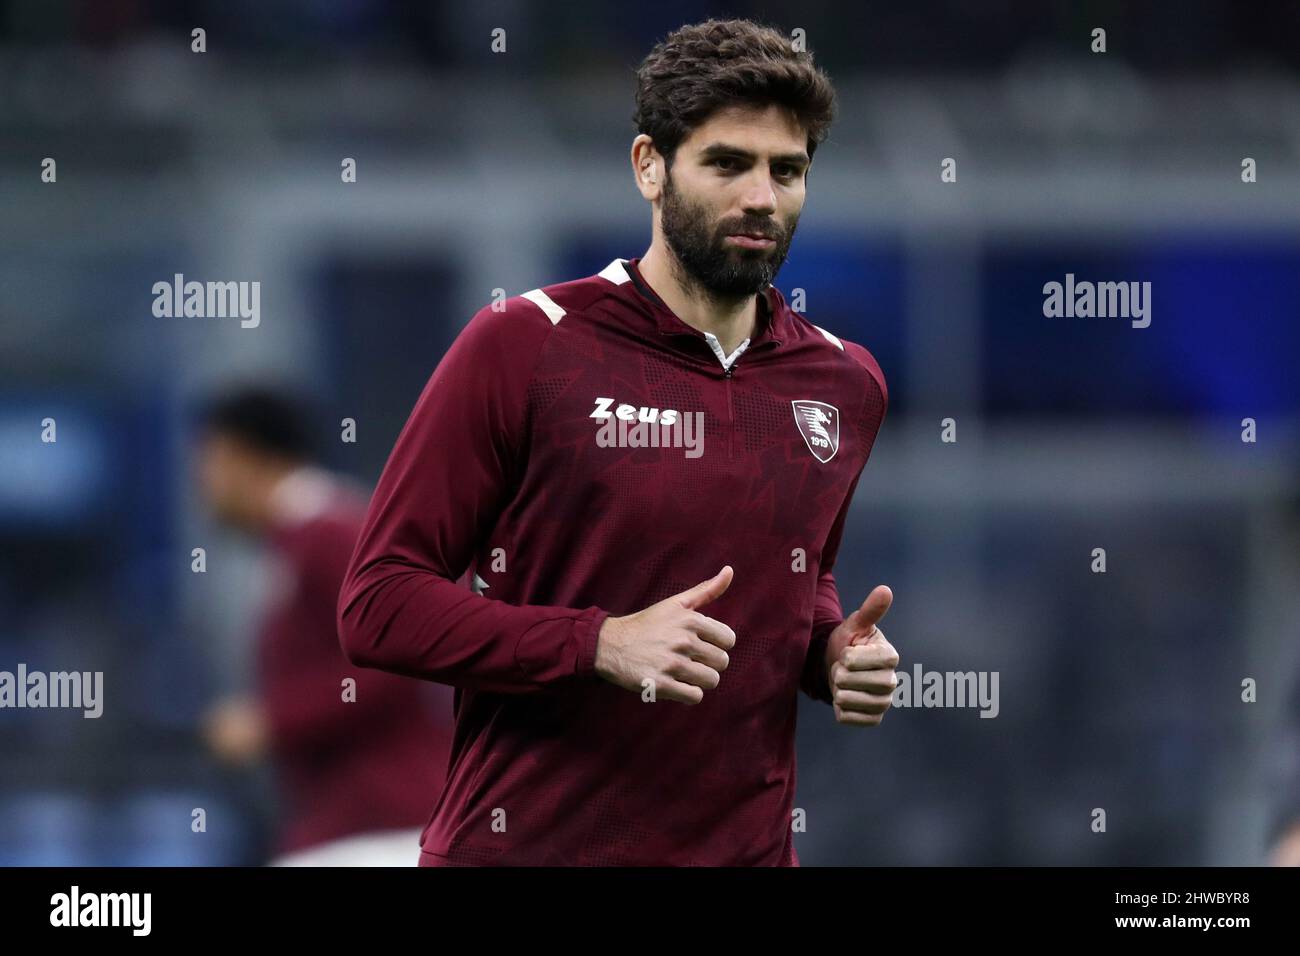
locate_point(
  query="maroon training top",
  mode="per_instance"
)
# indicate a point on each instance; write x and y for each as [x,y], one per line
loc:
[371,760]
[502,471]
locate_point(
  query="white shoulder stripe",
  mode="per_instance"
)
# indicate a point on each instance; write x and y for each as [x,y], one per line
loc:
[546,304]
[615,272]
[830,338]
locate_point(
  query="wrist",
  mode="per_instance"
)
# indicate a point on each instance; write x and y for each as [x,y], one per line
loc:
[830,653]
[825,652]
[606,637]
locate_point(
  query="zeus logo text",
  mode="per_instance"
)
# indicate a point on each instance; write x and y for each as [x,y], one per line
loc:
[637,413]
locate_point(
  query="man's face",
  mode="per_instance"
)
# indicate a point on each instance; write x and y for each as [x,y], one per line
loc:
[221,468]
[742,171]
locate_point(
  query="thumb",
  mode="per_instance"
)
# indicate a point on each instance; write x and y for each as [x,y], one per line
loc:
[863,620]
[706,591]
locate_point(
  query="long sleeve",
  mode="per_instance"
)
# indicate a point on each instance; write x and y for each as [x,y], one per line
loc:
[827,613]
[302,668]
[307,708]
[453,470]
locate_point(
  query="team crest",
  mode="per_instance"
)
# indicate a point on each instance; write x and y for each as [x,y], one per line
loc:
[819,424]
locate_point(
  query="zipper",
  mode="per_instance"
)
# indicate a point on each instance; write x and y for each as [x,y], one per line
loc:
[731,413]
[731,416]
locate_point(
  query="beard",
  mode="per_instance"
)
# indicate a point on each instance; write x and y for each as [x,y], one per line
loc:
[722,270]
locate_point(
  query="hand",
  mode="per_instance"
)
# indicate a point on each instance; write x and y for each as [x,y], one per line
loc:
[670,643]
[861,664]
[235,730]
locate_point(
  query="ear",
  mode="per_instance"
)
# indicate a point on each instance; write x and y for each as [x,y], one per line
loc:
[646,163]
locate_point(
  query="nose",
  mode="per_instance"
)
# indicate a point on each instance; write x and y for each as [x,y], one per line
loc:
[759,198]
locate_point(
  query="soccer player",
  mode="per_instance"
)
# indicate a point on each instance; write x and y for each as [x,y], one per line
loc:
[357,765]
[648,470]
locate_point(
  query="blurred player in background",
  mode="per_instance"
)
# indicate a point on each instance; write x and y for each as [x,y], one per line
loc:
[1283,752]
[1284,826]
[358,765]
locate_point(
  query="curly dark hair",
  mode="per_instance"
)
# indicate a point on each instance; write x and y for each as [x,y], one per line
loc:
[699,69]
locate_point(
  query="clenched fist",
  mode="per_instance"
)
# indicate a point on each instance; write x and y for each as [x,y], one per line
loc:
[861,664]
[682,651]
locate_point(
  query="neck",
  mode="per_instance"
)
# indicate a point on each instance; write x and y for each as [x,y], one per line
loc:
[272,495]
[731,320]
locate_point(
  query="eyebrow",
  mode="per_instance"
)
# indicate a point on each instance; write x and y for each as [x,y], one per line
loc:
[715,150]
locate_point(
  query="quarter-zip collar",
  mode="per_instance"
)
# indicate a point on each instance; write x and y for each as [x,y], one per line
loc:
[769,323]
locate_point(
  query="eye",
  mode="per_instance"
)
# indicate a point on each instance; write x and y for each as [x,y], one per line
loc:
[730,160]
[790,171]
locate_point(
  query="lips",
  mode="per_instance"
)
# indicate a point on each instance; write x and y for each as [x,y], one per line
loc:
[751,240]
